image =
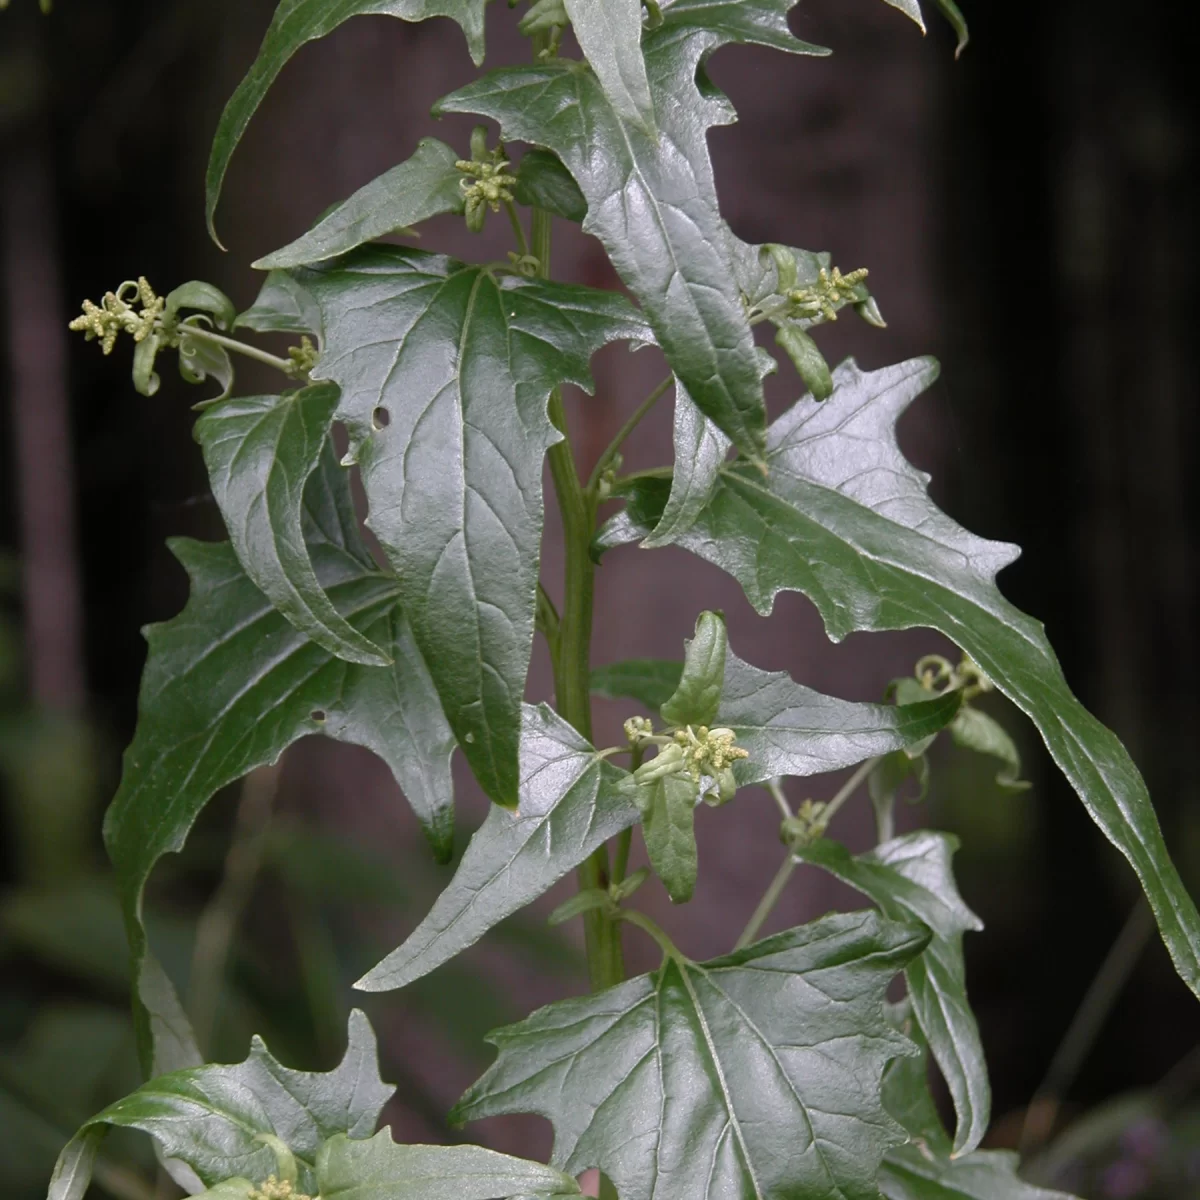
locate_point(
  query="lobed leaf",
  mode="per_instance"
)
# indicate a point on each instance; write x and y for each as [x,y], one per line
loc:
[845,519]
[378,1169]
[911,877]
[445,373]
[750,1076]
[652,200]
[230,684]
[260,452]
[283,306]
[297,22]
[571,803]
[220,1120]
[421,187]
[609,33]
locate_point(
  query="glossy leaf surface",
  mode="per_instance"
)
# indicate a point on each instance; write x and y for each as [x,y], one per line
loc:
[215,1118]
[260,452]
[543,182]
[669,826]
[609,33]
[750,1076]
[297,22]
[421,187]
[845,519]
[445,372]
[649,681]
[230,683]
[696,700]
[283,306]
[975,730]
[652,201]
[379,1169]
[911,877]
[571,803]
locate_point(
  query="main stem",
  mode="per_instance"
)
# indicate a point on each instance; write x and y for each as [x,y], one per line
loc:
[572,662]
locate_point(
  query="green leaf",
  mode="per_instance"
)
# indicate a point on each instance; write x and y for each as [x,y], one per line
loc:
[750,1076]
[283,306]
[445,372]
[609,33]
[200,360]
[543,182]
[948,9]
[422,187]
[975,730]
[926,1168]
[649,681]
[845,519]
[73,1171]
[218,1120]
[572,802]
[297,22]
[260,451]
[668,823]
[652,201]
[230,683]
[808,360]
[789,729]
[378,1169]
[698,696]
[911,877]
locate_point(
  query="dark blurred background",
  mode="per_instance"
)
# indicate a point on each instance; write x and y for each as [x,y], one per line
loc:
[1027,214]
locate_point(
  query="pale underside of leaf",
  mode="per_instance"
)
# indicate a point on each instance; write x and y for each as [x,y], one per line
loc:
[571,803]
[423,186]
[749,1077]
[297,22]
[845,519]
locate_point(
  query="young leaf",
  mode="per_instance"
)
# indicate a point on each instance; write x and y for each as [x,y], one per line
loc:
[845,519]
[652,201]
[668,823]
[975,730]
[649,681]
[230,683]
[609,33]
[260,451]
[792,730]
[698,696]
[543,182]
[445,372]
[750,1076]
[297,22]
[283,306]
[911,877]
[221,1121]
[423,186]
[926,1168]
[378,1169]
[700,450]
[571,803]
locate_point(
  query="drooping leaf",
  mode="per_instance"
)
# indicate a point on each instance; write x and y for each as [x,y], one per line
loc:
[926,1168]
[260,452]
[230,683]
[975,730]
[845,519]
[668,807]
[421,187]
[283,306]
[652,201]
[297,22]
[445,372]
[218,1119]
[911,877]
[649,681]
[750,1076]
[789,729]
[378,1169]
[572,802]
[696,700]
[609,33]
[948,9]
[543,182]
[700,450]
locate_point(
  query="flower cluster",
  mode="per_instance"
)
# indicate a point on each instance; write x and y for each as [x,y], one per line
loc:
[708,751]
[486,183]
[115,315]
[276,1189]
[823,298]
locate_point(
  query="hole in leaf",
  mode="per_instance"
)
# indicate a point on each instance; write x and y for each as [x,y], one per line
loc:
[318,715]
[381,418]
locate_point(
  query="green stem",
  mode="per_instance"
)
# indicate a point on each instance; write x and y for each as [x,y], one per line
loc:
[634,421]
[236,347]
[767,904]
[572,657]
[518,229]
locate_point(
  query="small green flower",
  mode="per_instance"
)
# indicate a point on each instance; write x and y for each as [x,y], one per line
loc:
[276,1189]
[823,298]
